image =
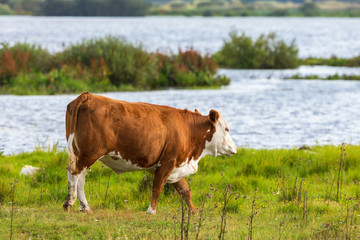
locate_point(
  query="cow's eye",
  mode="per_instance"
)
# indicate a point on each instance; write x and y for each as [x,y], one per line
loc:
[226,129]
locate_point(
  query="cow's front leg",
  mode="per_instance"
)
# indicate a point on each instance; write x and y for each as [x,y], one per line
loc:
[161,175]
[183,189]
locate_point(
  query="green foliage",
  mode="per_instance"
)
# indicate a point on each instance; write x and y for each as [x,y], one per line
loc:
[123,62]
[5,10]
[95,8]
[332,61]
[105,64]
[22,58]
[240,51]
[331,77]
[309,9]
[189,68]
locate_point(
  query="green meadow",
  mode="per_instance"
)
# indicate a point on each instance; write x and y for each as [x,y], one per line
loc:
[307,193]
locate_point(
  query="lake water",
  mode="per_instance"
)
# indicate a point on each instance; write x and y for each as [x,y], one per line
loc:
[320,37]
[262,110]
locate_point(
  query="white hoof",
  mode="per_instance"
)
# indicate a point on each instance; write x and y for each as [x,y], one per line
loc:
[151,211]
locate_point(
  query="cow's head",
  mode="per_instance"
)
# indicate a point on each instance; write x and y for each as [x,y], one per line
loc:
[221,142]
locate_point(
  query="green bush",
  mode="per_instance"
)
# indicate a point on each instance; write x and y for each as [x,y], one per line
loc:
[240,51]
[105,64]
[123,62]
[5,10]
[189,69]
[21,58]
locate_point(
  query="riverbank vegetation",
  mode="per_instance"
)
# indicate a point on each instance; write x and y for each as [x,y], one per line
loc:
[305,193]
[279,8]
[99,65]
[266,52]
[298,8]
[332,61]
[331,77]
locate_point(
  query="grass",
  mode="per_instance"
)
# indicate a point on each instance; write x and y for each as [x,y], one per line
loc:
[296,198]
[331,77]
[332,61]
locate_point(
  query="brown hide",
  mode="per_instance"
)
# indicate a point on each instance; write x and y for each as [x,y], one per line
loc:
[145,134]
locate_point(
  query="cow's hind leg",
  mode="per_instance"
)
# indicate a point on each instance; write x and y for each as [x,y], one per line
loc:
[84,206]
[72,188]
[183,189]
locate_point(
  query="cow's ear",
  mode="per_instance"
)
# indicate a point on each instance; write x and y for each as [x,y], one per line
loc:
[214,116]
[196,111]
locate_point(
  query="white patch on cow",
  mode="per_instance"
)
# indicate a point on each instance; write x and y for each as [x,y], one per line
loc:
[84,206]
[151,211]
[73,181]
[70,148]
[71,153]
[185,169]
[120,165]
[221,142]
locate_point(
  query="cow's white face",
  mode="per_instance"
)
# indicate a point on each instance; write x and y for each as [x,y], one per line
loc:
[221,142]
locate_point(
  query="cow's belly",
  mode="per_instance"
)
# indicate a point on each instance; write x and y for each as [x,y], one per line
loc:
[185,169]
[120,165]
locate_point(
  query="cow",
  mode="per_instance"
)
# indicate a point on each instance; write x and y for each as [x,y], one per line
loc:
[127,136]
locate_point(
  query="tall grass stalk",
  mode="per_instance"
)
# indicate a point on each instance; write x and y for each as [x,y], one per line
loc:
[32,182]
[227,196]
[42,183]
[13,187]
[182,225]
[341,164]
[107,188]
[252,215]
[89,184]
[99,191]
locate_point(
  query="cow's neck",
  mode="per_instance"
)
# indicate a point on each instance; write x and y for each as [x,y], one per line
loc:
[201,131]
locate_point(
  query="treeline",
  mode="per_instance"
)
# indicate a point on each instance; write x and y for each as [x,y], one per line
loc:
[76,7]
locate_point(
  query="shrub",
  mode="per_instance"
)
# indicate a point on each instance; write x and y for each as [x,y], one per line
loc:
[266,52]
[125,63]
[5,10]
[104,64]
[188,68]
[22,57]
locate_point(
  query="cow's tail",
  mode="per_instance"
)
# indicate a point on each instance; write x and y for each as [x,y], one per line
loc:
[71,120]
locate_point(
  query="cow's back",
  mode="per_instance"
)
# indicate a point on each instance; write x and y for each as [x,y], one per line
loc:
[139,132]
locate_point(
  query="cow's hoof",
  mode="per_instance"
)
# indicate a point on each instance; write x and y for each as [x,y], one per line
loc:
[85,210]
[151,211]
[66,207]
[193,211]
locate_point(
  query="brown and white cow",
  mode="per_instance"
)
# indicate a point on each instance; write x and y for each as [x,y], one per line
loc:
[162,140]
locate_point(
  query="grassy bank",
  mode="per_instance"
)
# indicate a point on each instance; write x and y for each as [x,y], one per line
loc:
[257,8]
[100,65]
[332,61]
[331,77]
[282,193]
